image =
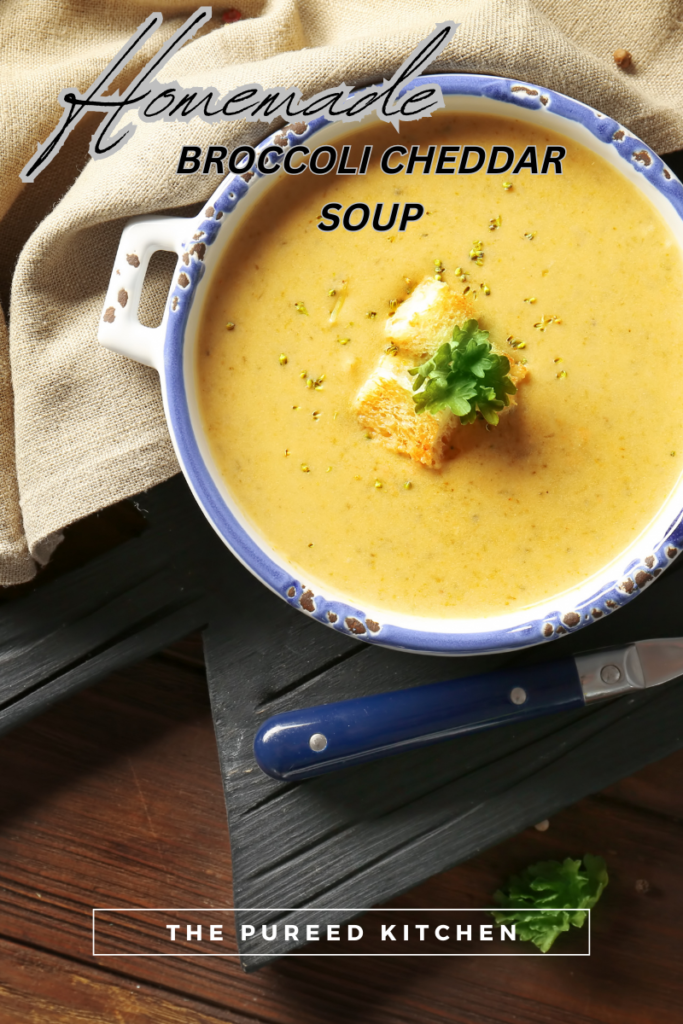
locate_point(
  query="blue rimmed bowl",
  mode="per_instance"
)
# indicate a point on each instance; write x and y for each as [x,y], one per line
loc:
[170,348]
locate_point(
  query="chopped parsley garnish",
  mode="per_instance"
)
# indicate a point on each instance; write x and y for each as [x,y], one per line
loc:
[538,898]
[465,376]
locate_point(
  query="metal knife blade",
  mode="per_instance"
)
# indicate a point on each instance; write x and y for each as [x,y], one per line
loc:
[302,743]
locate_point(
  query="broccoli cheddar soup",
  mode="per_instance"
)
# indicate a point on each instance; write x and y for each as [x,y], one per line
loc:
[464,417]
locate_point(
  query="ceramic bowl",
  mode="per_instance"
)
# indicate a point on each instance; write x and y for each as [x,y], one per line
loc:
[170,348]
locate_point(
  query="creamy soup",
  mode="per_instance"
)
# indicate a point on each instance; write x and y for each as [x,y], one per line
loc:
[576,274]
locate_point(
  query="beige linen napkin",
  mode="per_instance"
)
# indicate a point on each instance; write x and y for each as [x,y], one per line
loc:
[81,427]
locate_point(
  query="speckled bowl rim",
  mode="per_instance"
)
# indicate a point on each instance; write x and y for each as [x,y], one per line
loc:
[615,586]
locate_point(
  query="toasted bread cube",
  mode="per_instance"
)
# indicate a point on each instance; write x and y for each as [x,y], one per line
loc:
[426,319]
[385,406]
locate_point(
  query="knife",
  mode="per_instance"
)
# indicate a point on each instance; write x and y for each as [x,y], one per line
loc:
[304,743]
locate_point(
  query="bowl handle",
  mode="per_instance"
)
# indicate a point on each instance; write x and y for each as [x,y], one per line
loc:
[119,327]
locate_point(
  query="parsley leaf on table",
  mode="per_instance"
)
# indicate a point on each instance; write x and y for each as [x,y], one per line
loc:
[466,376]
[543,891]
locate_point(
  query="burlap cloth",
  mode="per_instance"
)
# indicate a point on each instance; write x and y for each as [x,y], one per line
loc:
[80,427]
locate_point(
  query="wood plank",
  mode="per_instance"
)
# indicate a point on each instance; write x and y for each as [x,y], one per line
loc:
[144,640]
[659,787]
[114,798]
[38,987]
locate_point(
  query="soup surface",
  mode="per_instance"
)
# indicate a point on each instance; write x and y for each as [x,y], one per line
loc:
[579,273]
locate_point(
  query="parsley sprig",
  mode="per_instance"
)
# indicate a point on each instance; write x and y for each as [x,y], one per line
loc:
[543,891]
[465,376]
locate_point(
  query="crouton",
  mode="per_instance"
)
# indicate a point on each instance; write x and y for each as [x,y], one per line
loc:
[426,319]
[385,407]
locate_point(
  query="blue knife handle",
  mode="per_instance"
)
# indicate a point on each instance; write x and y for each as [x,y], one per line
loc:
[301,744]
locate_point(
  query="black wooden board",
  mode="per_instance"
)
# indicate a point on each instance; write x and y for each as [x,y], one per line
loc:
[116,609]
[361,836]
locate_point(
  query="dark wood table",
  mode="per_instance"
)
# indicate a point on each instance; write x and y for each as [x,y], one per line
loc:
[114,798]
